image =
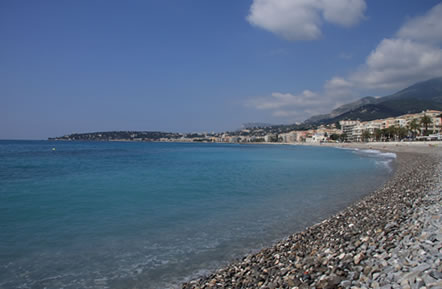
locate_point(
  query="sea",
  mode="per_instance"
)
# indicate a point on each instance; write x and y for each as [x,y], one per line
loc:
[153,215]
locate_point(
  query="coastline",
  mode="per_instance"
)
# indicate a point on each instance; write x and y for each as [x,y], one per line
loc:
[402,147]
[370,244]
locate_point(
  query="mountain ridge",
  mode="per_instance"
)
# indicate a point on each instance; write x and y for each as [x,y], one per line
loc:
[415,98]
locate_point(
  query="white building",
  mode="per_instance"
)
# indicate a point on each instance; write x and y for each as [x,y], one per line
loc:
[347,128]
[290,137]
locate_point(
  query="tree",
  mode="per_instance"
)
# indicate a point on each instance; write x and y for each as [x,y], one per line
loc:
[413,126]
[377,134]
[389,132]
[425,121]
[393,132]
[335,137]
[402,132]
[343,137]
[366,135]
[338,125]
[384,134]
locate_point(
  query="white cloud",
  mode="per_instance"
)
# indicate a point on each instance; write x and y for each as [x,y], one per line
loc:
[338,83]
[396,63]
[301,19]
[278,100]
[338,89]
[343,12]
[413,54]
[426,28]
[295,106]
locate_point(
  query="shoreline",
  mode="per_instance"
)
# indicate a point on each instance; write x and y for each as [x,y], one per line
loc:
[362,245]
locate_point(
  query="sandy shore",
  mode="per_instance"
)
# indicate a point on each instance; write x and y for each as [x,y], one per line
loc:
[389,239]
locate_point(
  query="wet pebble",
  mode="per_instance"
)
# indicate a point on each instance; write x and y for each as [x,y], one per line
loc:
[390,239]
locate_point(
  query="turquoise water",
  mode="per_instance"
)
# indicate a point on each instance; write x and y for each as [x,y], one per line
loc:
[150,215]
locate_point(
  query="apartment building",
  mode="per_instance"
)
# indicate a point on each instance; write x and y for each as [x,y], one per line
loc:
[355,129]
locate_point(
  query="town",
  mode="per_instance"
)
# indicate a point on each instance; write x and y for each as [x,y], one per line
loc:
[425,125]
[418,126]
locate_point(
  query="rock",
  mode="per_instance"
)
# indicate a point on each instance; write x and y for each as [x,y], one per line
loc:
[390,239]
[357,258]
[419,283]
[404,284]
[292,281]
[330,282]
[345,283]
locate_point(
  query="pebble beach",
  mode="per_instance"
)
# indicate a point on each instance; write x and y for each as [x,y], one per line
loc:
[392,238]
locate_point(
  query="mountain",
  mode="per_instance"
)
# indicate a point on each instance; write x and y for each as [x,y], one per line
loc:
[416,98]
[342,109]
[255,125]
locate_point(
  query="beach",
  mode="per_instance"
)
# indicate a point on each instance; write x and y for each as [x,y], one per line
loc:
[392,238]
[154,215]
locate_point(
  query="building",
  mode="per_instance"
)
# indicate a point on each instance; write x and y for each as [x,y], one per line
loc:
[316,138]
[270,138]
[290,137]
[354,129]
[347,127]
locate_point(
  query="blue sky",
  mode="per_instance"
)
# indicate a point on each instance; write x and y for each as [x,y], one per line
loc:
[184,66]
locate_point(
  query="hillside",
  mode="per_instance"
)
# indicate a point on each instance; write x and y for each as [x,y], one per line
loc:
[416,98]
[342,109]
[119,135]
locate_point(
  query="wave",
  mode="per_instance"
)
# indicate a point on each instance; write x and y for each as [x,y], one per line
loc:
[386,164]
[347,149]
[379,153]
[371,152]
[382,159]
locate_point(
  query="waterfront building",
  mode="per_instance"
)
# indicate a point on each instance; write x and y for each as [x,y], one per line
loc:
[270,138]
[235,139]
[355,129]
[347,127]
[290,137]
[388,122]
[436,120]
[316,138]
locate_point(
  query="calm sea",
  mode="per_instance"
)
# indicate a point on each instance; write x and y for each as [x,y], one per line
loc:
[150,215]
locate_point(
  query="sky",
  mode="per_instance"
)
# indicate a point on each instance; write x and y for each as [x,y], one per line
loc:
[202,66]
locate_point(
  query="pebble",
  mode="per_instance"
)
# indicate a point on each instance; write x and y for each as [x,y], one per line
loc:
[390,239]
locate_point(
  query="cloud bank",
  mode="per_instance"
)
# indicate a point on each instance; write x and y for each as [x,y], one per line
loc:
[302,19]
[426,28]
[413,54]
[298,106]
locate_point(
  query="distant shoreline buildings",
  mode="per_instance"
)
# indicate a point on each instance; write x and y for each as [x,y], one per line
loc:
[426,125]
[416,125]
